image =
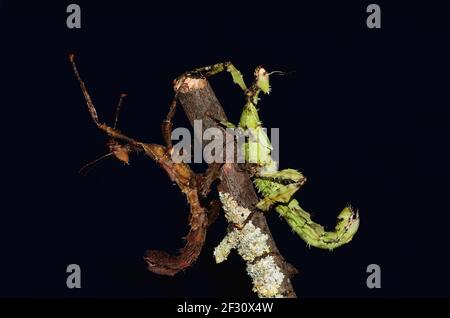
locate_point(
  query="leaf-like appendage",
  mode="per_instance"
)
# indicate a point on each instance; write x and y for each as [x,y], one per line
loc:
[281,195]
[314,234]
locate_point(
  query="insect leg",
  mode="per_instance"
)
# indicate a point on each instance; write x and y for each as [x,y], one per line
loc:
[110,131]
[275,192]
[166,126]
[211,70]
[89,102]
[207,179]
[313,233]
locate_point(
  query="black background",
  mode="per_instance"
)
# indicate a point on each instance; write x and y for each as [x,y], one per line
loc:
[363,117]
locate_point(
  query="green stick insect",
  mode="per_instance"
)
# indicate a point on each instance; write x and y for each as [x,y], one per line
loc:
[277,187]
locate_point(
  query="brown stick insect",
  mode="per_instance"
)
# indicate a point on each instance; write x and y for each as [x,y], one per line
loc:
[194,186]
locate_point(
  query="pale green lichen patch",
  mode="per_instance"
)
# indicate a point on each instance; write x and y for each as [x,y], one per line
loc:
[250,243]
[222,250]
[233,211]
[267,277]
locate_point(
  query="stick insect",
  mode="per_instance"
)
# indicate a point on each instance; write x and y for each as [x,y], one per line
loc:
[277,187]
[194,186]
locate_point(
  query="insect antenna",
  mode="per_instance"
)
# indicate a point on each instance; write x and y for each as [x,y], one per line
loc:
[92,163]
[282,73]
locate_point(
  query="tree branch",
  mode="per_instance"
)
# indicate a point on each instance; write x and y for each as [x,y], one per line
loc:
[200,103]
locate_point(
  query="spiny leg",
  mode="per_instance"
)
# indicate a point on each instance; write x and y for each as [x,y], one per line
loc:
[275,192]
[87,97]
[158,261]
[119,151]
[207,179]
[249,116]
[166,126]
[212,173]
[208,71]
[286,175]
[213,210]
[277,187]
[313,233]
[261,83]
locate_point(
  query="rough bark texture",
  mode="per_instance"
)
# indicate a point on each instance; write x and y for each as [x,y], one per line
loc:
[200,103]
